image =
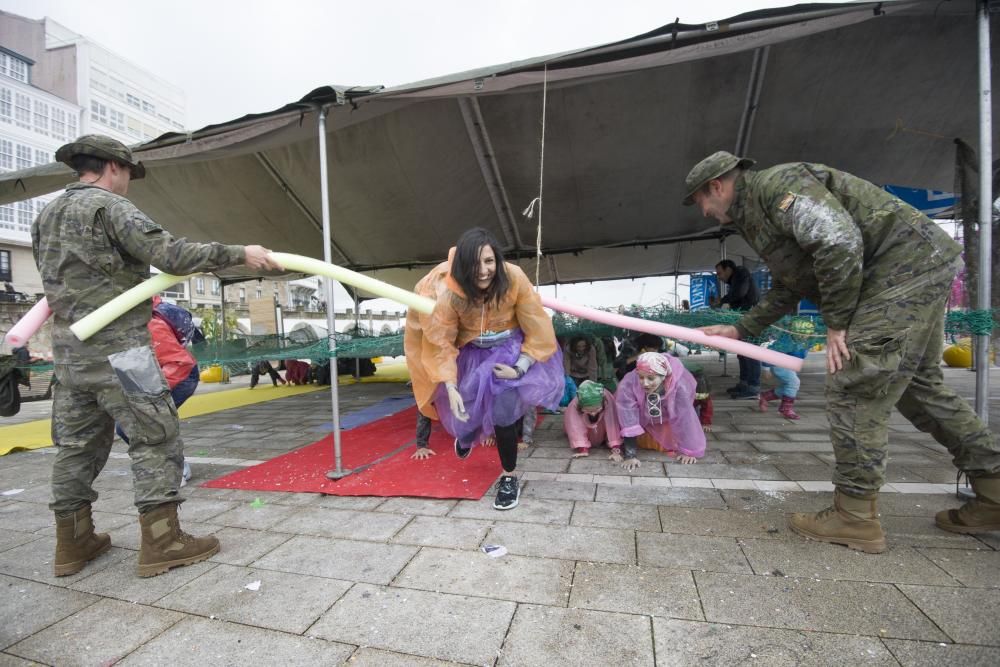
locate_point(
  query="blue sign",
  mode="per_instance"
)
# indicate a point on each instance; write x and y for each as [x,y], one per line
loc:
[932,203]
[703,288]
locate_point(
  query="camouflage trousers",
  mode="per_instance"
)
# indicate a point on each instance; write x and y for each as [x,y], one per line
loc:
[88,399]
[896,339]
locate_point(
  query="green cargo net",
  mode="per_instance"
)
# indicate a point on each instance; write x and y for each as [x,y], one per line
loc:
[790,334]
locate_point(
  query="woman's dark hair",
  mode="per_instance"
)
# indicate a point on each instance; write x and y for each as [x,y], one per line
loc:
[576,339]
[465,266]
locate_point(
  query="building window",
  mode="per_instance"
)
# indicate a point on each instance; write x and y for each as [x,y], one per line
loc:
[71,126]
[41,117]
[58,123]
[5,273]
[7,217]
[98,112]
[133,101]
[116,119]
[13,67]
[216,286]
[6,155]
[6,105]
[25,215]
[178,292]
[41,157]
[134,127]
[22,111]
[149,108]
[243,295]
[23,156]
[199,286]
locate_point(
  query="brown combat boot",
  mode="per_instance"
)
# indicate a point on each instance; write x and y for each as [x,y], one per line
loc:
[165,545]
[76,542]
[979,515]
[851,521]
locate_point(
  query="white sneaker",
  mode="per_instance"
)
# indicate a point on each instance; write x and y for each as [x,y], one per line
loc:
[186,475]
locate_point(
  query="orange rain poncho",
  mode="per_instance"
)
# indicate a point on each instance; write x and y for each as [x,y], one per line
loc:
[415,346]
[431,343]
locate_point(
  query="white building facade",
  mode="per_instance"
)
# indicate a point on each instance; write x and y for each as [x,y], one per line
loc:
[55,85]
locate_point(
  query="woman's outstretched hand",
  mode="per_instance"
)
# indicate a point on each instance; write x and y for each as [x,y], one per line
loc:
[457,404]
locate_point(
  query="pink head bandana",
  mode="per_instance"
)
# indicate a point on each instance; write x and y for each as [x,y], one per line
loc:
[653,362]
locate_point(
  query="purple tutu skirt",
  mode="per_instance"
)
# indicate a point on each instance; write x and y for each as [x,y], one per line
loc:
[489,400]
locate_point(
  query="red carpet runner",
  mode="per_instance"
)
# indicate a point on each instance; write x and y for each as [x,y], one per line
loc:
[441,476]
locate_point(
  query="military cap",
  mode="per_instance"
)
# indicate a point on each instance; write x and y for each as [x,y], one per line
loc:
[104,147]
[713,166]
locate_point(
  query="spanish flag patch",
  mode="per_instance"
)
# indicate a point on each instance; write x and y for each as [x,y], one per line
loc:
[786,202]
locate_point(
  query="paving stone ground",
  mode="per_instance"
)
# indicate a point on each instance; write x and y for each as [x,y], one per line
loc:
[671,565]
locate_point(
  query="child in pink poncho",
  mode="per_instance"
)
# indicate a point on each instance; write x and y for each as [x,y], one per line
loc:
[658,398]
[590,419]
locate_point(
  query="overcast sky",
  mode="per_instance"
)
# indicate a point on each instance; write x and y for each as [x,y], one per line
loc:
[233,58]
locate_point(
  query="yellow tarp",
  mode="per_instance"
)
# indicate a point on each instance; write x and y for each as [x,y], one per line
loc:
[37,434]
[395,371]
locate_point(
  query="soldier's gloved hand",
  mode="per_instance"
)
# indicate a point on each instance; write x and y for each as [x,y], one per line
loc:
[258,257]
[836,349]
[456,403]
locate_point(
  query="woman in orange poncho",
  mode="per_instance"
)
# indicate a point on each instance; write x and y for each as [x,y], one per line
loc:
[493,353]
[417,351]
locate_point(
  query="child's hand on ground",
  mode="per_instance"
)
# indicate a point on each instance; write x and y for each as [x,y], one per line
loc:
[615,456]
[489,441]
[631,464]
[580,452]
[686,460]
[522,445]
[422,453]
[707,428]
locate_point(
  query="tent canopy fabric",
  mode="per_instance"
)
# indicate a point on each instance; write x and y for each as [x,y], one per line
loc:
[877,89]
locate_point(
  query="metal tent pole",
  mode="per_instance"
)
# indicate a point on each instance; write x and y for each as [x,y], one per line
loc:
[331,329]
[985,210]
[722,254]
[222,334]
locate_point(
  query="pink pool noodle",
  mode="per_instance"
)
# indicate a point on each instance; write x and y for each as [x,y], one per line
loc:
[681,333]
[29,325]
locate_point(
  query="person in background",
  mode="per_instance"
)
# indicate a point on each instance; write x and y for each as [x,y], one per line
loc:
[591,419]
[658,398]
[632,348]
[419,354]
[742,295]
[580,360]
[796,344]
[264,367]
[171,330]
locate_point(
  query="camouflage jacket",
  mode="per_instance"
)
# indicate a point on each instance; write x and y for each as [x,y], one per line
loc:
[831,237]
[91,245]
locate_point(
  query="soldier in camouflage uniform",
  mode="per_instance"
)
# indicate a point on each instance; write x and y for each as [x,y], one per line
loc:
[881,272]
[91,244]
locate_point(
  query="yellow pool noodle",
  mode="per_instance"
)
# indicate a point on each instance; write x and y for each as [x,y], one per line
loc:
[318,267]
[124,302]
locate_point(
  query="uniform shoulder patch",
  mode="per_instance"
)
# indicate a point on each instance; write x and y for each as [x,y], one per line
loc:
[786,202]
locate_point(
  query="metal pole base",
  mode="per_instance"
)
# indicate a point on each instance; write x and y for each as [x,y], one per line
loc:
[338,474]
